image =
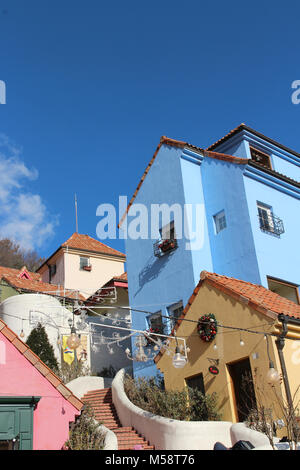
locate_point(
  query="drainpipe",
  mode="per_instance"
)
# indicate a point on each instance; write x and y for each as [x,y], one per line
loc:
[280,342]
[280,345]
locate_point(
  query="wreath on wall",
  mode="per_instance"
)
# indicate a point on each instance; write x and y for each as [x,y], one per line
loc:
[207,327]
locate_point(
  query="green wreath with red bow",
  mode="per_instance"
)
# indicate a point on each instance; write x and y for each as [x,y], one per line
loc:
[207,327]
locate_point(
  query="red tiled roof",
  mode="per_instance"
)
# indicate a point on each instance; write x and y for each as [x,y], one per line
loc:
[17,272]
[257,297]
[87,243]
[40,366]
[116,281]
[123,277]
[34,284]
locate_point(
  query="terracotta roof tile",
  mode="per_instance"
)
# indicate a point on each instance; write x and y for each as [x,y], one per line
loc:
[85,242]
[17,273]
[255,296]
[34,284]
[40,366]
[259,296]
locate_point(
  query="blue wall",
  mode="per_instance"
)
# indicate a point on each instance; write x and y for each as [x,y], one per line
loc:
[156,283]
[277,256]
[241,250]
[224,190]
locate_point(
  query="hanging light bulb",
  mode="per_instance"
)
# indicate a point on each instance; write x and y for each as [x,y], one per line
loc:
[73,340]
[22,334]
[215,347]
[178,361]
[241,342]
[272,375]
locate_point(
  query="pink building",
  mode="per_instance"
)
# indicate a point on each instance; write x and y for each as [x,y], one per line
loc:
[35,406]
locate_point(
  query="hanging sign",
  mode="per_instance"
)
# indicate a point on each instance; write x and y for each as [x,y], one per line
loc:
[213,370]
[68,354]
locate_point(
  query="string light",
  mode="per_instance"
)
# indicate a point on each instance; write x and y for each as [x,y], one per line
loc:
[272,375]
[178,361]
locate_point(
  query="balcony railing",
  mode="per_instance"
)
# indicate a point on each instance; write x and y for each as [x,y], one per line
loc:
[271,224]
[162,247]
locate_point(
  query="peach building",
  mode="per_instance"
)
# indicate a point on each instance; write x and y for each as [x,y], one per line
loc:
[82,264]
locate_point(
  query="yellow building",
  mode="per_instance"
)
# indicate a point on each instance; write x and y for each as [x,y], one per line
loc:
[249,320]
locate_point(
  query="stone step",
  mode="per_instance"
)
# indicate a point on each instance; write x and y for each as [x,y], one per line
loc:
[104,411]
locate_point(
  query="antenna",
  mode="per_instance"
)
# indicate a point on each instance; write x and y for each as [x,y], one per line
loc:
[76,213]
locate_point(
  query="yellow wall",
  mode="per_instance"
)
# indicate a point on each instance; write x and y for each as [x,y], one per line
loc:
[228,312]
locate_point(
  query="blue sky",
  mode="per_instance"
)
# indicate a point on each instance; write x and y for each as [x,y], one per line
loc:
[91,87]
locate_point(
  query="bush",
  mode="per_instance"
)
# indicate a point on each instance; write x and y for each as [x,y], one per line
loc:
[107,372]
[85,434]
[68,372]
[38,342]
[185,405]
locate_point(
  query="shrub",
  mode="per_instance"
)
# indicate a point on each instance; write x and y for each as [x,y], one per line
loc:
[185,405]
[68,372]
[38,342]
[85,433]
[108,372]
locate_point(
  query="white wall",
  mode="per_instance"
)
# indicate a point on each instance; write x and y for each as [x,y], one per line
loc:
[168,434]
[87,282]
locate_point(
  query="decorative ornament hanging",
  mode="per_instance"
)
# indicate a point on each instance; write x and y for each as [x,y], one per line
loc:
[207,327]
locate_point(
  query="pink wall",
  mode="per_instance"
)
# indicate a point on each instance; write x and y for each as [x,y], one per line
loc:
[18,377]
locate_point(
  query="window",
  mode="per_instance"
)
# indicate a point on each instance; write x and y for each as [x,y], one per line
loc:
[84,262]
[265,215]
[168,231]
[167,241]
[268,221]
[285,289]
[52,271]
[175,312]
[220,221]
[156,323]
[260,157]
[196,382]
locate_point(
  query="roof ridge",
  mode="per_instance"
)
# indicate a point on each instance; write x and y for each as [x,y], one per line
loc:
[93,240]
[253,301]
[214,144]
[14,280]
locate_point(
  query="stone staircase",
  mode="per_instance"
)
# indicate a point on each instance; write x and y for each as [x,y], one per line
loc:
[105,412]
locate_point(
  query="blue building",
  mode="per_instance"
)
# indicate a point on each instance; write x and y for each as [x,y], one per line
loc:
[242,196]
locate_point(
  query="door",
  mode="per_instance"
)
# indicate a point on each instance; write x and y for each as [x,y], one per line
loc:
[242,388]
[16,422]
[196,382]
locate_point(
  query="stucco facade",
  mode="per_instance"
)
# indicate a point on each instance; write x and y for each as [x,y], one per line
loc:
[103,262]
[225,351]
[225,180]
[51,406]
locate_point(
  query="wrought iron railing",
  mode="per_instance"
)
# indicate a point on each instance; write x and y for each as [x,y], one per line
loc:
[162,247]
[271,223]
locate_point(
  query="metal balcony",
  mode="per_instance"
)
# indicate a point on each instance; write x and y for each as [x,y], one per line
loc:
[271,224]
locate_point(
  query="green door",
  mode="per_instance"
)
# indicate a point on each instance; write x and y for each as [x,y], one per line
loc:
[16,422]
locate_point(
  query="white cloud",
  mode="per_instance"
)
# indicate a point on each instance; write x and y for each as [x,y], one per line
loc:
[23,215]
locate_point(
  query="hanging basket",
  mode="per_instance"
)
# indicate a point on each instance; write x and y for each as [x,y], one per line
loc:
[207,327]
